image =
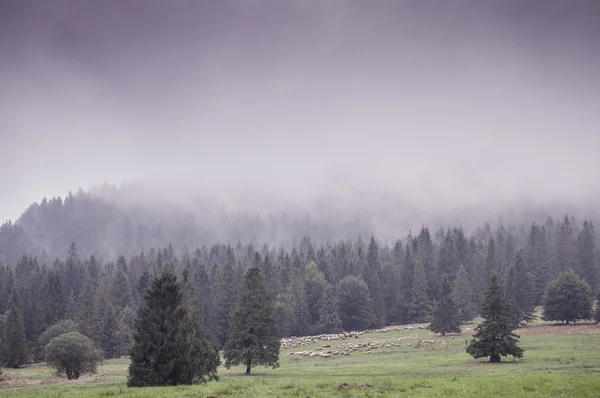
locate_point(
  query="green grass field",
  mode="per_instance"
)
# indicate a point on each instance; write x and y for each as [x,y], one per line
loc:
[559,361]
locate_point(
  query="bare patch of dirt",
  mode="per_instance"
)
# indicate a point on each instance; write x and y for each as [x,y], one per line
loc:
[559,329]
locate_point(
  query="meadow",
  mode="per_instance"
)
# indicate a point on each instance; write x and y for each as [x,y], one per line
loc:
[558,361]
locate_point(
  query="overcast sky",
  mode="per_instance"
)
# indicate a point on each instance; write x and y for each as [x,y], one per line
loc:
[461,101]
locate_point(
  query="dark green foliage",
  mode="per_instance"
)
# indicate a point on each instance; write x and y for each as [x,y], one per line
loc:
[420,308]
[355,307]
[73,355]
[518,293]
[56,330]
[13,348]
[53,300]
[86,313]
[283,314]
[329,320]
[493,337]
[314,287]
[203,356]
[109,341]
[586,247]
[463,296]
[597,316]
[166,350]
[445,317]
[372,277]
[567,299]
[254,338]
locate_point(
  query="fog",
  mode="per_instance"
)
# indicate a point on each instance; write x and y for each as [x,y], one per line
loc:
[444,106]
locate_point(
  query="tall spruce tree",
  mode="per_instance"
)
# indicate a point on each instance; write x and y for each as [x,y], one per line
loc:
[494,337]
[463,296]
[519,292]
[13,348]
[329,320]
[109,342]
[204,356]
[254,339]
[445,317]
[165,350]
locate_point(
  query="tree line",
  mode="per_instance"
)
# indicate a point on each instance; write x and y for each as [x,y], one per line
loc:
[312,288]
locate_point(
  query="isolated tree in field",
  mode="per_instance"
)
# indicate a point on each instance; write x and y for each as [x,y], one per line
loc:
[567,299]
[463,296]
[445,317]
[56,330]
[254,339]
[166,348]
[13,348]
[355,307]
[73,355]
[519,292]
[494,337]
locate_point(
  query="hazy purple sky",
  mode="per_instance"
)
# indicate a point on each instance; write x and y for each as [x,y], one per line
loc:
[460,101]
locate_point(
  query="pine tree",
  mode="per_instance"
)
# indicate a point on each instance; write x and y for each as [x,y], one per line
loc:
[445,316]
[86,313]
[586,245]
[567,299]
[493,337]
[165,349]
[314,286]
[518,293]
[463,296]
[13,349]
[421,305]
[254,339]
[203,356]
[225,297]
[329,320]
[597,317]
[371,276]
[109,342]
[53,299]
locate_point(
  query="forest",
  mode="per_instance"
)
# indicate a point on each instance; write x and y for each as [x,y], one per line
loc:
[315,286]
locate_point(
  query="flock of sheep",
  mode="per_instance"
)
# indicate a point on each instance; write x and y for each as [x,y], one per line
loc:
[345,348]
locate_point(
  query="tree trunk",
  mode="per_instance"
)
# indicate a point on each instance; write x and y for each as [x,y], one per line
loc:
[248,367]
[494,358]
[443,333]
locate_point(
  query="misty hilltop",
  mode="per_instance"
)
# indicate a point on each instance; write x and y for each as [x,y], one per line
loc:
[444,104]
[108,221]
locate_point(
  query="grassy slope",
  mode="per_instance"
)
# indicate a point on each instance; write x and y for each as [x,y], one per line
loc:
[566,363]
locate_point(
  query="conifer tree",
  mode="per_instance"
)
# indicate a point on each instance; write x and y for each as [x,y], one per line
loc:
[494,337]
[165,349]
[463,296]
[13,348]
[567,299]
[53,300]
[597,316]
[518,292]
[314,286]
[203,355]
[329,319]
[109,343]
[421,305]
[86,313]
[445,317]
[586,245]
[254,338]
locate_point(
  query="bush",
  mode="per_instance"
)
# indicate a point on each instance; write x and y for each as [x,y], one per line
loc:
[72,354]
[56,330]
[567,299]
